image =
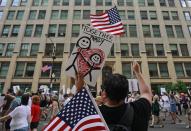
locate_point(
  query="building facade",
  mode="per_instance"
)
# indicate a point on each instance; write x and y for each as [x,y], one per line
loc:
[36,33]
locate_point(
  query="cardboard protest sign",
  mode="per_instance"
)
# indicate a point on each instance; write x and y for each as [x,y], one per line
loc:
[162,90]
[89,54]
[133,85]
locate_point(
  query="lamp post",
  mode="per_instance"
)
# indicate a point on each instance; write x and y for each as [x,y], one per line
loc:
[52,75]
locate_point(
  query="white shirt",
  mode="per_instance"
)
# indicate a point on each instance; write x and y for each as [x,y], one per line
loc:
[20,117]
[166,101]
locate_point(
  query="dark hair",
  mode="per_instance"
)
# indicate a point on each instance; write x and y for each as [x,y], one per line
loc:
[116,86]
[25,99]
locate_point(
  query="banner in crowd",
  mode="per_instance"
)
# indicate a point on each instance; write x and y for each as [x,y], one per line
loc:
[89,54]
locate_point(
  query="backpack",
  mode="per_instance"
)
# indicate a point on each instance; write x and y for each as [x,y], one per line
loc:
[125,122]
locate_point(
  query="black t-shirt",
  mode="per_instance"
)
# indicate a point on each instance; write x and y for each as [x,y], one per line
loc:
[142,110]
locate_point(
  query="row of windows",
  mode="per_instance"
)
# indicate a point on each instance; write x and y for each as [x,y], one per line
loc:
[85,14]
[160,70]
[169,3]
[152,50]
[26,69]
[59,30]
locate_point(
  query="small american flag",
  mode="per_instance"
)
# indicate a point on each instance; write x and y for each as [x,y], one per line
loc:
[79,114]
[46,67]
[109,21]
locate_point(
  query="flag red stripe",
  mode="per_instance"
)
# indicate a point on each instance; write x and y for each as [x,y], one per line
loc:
[99,21]
[49,123]
[96,128]
[115,30]
[54,125]
[98,14]
[93,18]
[120,24]
[88,121]
[63,127]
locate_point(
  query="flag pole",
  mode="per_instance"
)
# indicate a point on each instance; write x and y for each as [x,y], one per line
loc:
[95,105]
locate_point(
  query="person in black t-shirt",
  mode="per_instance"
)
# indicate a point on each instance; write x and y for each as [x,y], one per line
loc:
[115,88]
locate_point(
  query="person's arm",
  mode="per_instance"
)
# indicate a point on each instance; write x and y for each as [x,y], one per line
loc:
[79,82]
[145,90]
[6,117]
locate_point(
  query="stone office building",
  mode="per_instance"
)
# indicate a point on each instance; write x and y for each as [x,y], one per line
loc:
[158,36]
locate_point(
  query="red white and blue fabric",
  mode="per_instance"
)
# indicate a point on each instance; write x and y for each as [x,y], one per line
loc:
[46,68]
[109,21]
[79,114]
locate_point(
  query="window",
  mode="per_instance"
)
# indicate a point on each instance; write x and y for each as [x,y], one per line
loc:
[163,70]
[32,15]
[169,31]
[55,14]
[6,30]
[122,14]
[126,70]
[189,29]
[86,14]
[150,2]
[162,2]
[129,2]
[166,15]
[149,49]
[174,15]
[184,49]
[188,69]
[75,30]
[10,15]
[131,14]
[146,31]
[24,49]
[187,15]
[3,2]
[1,15]
[99,11]
[34,49]
[44,2]
[153,71]
[156,31]
[108,2]
[62,30]
[49,49]
[144,15]
[171,3]
[16,3]
[125,29]
[174,49]
[56,2]
[135,49]
[141,2]
[52,30]
[2,47]
[78,2]
[28,31]
[183,3]
[38,31]
[99,2]
[59,50]
[124,49]
[36,2]
[23,2]
[10,48]
[56,69]
[179,31]
[15,30]
[64,14]
[153,15]
[4,67]
[65,2]
[160,49]
[132,31]
[77,14]
[20,14]
[111,53]
[120,3]
[86,2]
[42,14]
[179,70]
[189,3]
[24,69]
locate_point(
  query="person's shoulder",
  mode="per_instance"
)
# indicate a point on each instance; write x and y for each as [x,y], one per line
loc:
[141,103]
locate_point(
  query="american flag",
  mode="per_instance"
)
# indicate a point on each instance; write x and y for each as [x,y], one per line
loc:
[109,21]
[79,114]
[46,67]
